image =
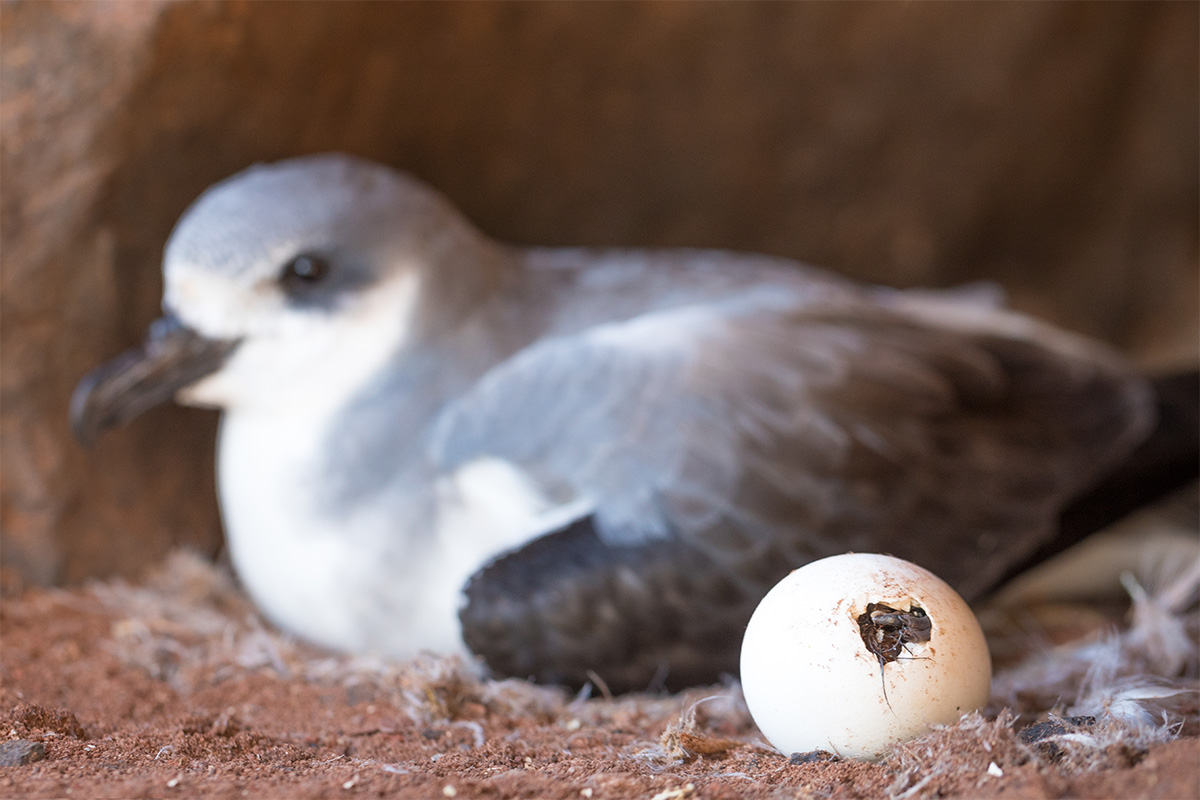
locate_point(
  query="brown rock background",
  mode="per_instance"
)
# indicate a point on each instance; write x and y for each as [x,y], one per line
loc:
[1051,147]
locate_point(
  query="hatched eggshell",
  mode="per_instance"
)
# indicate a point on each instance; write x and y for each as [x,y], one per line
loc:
[811,683]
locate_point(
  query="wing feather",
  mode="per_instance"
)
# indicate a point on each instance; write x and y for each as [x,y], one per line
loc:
[767,434]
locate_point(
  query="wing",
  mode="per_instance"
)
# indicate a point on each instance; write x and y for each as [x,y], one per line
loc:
[753,435]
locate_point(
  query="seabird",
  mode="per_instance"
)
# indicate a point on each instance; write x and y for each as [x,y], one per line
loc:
[581,463]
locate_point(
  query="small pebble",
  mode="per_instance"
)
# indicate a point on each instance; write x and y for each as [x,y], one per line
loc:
[812,756]
[1041,734]
[1053,727]
[21,751]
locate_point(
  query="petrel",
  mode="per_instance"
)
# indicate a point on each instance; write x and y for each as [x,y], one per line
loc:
[582,463]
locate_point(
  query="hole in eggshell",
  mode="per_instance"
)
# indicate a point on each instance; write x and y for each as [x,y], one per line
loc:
[887,631]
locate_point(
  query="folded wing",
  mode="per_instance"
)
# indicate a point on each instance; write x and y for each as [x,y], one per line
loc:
[723,445]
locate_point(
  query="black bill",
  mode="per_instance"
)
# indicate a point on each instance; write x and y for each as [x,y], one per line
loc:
[172,357]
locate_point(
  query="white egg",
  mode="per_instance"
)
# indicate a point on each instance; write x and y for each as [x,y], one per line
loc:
[854,653]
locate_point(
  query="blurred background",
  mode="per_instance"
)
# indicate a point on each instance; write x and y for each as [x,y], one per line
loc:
[1049,147]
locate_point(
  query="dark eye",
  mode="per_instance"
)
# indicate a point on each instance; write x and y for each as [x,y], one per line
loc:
[306,268]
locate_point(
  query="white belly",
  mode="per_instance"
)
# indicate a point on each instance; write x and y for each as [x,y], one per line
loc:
[364,581]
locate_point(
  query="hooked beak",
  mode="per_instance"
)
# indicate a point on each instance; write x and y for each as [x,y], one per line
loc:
[172,357]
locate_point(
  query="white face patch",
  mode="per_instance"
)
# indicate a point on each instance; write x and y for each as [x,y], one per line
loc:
[305,360]
[217,307]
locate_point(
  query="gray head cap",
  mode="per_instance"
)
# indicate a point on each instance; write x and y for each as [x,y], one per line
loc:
[269,212]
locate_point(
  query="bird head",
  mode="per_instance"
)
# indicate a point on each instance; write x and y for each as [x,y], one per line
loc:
[284,286]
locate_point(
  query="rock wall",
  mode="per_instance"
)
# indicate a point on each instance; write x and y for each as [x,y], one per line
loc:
[1051,147]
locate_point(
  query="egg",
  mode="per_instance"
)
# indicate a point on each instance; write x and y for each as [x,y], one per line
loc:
[854,653]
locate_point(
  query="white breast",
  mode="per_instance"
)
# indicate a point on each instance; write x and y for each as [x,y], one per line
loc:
[364,581]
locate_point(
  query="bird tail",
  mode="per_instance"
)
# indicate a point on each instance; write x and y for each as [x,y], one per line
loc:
[1166,461]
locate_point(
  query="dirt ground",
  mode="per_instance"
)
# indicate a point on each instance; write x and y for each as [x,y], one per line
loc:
[175,687]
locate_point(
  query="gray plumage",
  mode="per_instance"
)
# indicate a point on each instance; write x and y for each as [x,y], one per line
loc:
[691,424]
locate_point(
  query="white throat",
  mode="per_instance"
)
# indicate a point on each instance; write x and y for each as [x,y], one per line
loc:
[364,582]
[308,363]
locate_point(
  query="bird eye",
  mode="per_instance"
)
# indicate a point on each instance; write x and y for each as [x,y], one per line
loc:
[305,268]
